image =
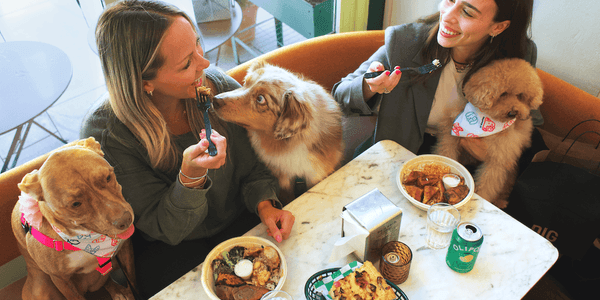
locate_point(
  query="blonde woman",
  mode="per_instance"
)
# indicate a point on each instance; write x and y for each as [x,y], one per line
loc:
[152,133]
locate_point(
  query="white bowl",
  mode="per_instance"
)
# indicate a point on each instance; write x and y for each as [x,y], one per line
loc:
[455,167]
[207,278]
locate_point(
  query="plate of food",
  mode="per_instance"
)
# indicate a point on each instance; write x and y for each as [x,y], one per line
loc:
[364,279]
[245,265]
[428,179]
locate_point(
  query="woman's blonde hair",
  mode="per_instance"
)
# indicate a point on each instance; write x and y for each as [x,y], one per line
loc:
[128,36]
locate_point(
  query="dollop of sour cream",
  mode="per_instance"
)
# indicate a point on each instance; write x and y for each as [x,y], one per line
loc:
[450,180]
[243,269]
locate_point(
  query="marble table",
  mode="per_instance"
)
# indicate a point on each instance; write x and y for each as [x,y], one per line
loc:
[512,258]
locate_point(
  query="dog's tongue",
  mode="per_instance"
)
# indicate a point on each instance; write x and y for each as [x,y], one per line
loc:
[126,234]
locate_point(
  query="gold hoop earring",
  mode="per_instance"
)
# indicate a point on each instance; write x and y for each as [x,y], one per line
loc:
[149,93]
[492,38]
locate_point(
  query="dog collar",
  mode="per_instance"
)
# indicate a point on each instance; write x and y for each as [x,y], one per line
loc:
[99,245]
[474,123]
[104,263]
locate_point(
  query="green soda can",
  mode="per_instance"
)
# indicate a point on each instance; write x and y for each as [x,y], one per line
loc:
[464,247]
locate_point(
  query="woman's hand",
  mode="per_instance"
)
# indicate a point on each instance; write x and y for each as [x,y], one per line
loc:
[196,160]
[381,84]
[475,146]
[279,222]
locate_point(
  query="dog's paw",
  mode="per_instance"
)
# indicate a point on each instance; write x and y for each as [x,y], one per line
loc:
[501,204]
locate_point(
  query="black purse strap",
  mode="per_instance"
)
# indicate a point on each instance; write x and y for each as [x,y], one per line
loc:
[559,154]
[573,128]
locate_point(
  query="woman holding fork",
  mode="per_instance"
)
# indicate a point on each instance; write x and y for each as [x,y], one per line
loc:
[464,35]
[152,132]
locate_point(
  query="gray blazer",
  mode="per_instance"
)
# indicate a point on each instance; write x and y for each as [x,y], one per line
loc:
[403,113]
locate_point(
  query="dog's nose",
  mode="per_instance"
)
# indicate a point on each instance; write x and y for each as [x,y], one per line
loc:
[124,221]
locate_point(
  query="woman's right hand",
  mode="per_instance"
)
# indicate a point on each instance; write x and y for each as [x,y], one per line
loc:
[196,160]
[381,84]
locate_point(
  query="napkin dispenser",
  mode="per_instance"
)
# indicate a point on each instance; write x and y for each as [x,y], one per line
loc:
[375,216]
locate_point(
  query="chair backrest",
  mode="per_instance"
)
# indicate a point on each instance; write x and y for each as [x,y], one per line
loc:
[9,195]
[565,105]
[324,59]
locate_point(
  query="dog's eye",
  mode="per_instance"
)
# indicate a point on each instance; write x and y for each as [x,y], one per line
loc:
[504,94]
[76,204]
[520,96]
[260,99]
[108,178]
[511,114]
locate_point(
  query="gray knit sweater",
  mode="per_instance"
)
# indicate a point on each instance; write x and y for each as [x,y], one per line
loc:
[164,209]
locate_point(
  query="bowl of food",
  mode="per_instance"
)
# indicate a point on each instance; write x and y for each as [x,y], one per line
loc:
[247,264]
[428,179]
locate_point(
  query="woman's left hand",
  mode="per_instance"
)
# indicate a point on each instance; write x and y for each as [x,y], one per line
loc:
[475,146]
[279,222]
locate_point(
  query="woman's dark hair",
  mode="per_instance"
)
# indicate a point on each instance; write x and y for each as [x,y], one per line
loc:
[512,42]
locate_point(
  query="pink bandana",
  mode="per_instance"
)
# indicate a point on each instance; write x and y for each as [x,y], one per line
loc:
[473,123]
[97,244]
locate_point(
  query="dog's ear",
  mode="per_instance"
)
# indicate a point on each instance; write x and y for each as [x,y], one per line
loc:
[258,64]
[487,84]
[91,144]
[535,91]
[31,185]
[480,93]
[295,116]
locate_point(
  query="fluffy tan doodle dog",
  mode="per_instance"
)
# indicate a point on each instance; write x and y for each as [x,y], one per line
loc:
[71,218]
[501,97]
[294,124]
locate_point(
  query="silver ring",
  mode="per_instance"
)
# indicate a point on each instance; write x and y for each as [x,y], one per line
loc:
[385,91]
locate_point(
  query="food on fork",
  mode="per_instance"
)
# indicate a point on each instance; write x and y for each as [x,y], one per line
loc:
[202,90]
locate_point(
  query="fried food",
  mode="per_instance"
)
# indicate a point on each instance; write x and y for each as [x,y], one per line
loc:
[456,194]
[245,292]
[414,191]
[364,283]
[425,185]
[202,90]
[431,194]
[229,279]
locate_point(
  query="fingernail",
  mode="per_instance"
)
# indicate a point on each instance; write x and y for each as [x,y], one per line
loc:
[278,238]
[397,67]
[398,72]
[387,73]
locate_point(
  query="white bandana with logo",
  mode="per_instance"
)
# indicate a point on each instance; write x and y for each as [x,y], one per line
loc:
[473,123]
[97,244]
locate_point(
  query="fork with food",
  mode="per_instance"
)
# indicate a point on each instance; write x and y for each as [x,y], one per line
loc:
[204,104]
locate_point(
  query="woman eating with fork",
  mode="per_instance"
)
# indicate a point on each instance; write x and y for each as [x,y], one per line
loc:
[464,35]
[152,132]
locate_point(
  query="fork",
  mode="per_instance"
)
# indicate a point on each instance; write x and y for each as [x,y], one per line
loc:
[204,104]
[428,68]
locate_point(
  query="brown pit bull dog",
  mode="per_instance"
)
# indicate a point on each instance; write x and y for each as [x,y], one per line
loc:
[70,220]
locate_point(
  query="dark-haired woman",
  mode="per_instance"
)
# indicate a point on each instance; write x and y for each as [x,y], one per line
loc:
[465,35]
